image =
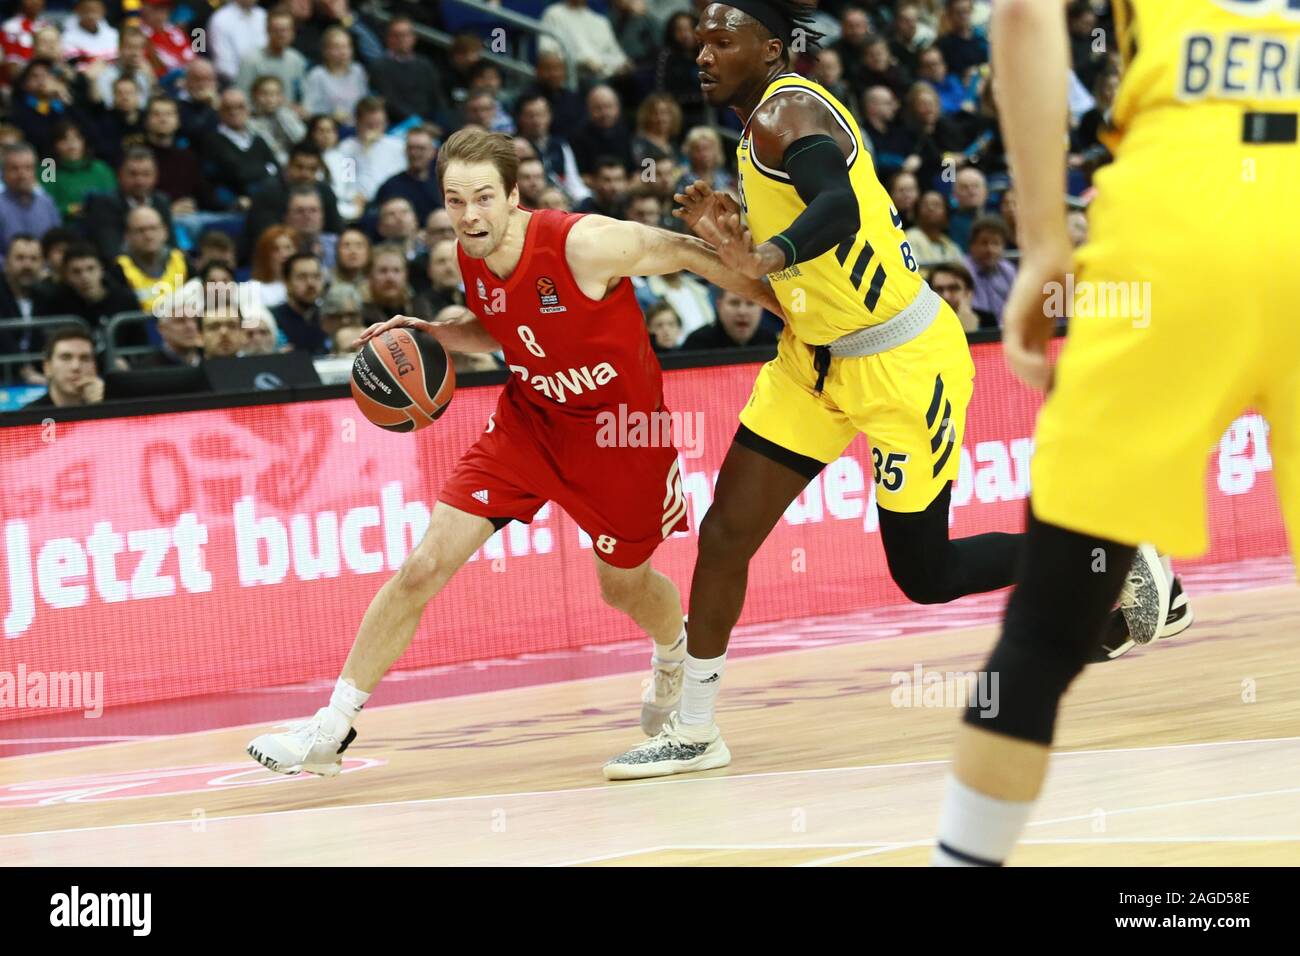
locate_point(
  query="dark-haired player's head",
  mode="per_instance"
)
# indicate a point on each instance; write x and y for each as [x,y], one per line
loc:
[478,172]
[745,44]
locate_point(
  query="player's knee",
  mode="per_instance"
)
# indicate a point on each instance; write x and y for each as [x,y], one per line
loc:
[620,591]
[724,538]
[422,575]
[921,586]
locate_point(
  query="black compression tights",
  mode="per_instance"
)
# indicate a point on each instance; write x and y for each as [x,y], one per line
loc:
[931,568]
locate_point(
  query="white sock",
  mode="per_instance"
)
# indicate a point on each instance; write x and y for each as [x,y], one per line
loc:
[700,689]
[670,656]
[347,700]
[975,829]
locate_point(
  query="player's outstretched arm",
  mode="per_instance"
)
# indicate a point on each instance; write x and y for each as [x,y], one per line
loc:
[456,327]
[605,249]
[1030,62]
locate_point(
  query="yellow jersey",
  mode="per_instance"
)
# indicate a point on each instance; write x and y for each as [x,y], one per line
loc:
[870,277]
[1220,56]
[149,289]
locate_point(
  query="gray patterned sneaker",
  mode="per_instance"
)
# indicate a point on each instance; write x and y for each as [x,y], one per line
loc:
[1116,642]
[675,749]
[1144,599]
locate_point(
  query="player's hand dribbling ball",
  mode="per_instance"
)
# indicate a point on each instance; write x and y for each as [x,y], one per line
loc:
[402,378]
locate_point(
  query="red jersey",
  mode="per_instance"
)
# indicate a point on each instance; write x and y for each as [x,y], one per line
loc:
[566,352]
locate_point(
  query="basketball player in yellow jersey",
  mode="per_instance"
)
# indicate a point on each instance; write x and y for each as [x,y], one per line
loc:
[868,347]
[1199,206]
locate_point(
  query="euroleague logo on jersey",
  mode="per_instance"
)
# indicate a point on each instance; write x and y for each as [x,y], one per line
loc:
[550,301]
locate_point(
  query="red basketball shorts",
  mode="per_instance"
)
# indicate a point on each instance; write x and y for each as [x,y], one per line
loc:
[627,499]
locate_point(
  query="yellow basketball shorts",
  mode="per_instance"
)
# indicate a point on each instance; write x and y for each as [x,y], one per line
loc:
[910,402]
[1184,317]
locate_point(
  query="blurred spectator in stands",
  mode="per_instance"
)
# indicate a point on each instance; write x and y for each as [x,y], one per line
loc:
[339,83]
[398,226]
[677,73]
[215,247]
[953,281]
[298,316]
[445,284]
[336,14]
[932,134]
[273,249]
[705,159]
[78,172]
[904,192]
[84,288]
[961,46]
[482,109]
[888,143]
[954,97]
[236,30]
[533,118]
[119,123]
[24,208]
[408,82]
[273,119]
[658,130]
[17,34]
[374,156]
[279,59]
[879,68]
[270,201]
[438,227]
[553,197]
[532,182]
[352,260]
[568,108]
[604,133]
[1087,55]
[40,102]
[70,371]
[263,333]
[180,175]
[688,296]
[339,309]
[198,101]
[609,188]
[53,245]
[152,268]
[237,159]
[48,45]
[587,39]
[182,342]
[1008,209]
[645,206]
[305,214]
[168,46]
[988,265]
[907,37]
[88,37]
[855,33]
[1086,149]
[929,239]
[1076,223]
[829,72]
[636,33]
[664,326]
[132,60]
[390,290]
[323,133]
[224,335]
[418,182]
[465,53]
[105,214]
[970,194]
[20,298]
[523,149]
[347,339]
[737,325]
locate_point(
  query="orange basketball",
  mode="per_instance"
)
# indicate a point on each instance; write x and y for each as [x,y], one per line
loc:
[402,380]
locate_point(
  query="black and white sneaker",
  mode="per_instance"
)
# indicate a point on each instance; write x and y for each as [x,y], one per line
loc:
[1117,641]
[675,749]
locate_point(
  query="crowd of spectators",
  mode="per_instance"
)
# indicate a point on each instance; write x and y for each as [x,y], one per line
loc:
[152,151]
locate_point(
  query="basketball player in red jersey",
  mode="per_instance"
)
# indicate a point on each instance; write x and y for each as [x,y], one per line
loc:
[551,291]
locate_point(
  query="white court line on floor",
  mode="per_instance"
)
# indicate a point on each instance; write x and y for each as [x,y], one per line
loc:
[665,781]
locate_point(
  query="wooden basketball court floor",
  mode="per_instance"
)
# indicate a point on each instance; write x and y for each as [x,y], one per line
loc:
[1187,752]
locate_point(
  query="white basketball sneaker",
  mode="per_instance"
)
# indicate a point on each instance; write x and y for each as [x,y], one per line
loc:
[661,695]
[313,745]
[1144,599]
[675,749]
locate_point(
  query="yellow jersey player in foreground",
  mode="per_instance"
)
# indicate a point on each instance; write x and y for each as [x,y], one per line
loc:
[1198,208]
[868,347]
